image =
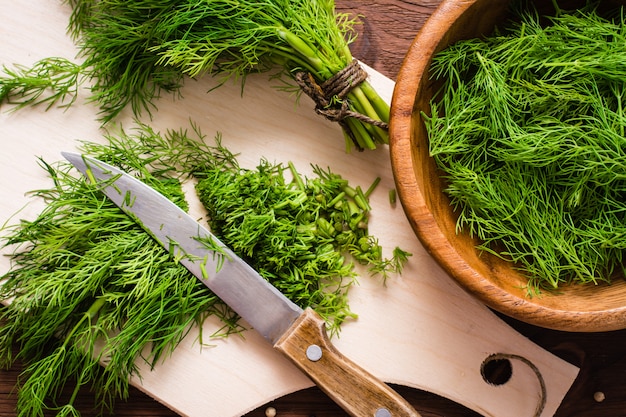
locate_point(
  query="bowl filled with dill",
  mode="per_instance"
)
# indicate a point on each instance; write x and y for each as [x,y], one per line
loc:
[508,146]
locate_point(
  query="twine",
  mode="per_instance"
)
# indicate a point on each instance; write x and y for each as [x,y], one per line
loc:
[330,96]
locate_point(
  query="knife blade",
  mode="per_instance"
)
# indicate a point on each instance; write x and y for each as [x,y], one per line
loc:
[298,334]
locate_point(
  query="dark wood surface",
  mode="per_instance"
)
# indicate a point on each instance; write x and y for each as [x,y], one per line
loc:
[388,27]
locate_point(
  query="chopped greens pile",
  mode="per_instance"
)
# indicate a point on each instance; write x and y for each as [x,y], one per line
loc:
[529,130]
[133,51]
[85,275]
[296,233]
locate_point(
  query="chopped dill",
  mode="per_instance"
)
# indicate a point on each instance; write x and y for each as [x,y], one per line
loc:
[296,233]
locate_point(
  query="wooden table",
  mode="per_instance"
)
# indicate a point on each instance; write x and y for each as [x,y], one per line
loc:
[388,28]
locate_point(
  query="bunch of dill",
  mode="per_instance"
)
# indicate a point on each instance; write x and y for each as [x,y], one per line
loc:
[529,130]
[133,51]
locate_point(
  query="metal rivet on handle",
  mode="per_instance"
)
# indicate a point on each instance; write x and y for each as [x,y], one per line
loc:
[382,412]
[314,354]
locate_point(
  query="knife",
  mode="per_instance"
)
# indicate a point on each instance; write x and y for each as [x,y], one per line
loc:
[298,334]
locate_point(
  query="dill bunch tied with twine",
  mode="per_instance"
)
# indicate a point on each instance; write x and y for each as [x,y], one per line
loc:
[135,50]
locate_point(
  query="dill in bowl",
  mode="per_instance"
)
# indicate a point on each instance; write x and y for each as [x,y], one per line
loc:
[529,131]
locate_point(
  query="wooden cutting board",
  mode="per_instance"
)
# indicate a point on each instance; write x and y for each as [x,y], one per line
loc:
[420,330]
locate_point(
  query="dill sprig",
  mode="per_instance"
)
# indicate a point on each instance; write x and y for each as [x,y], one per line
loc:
[528,129]
[87,285]
[50,81]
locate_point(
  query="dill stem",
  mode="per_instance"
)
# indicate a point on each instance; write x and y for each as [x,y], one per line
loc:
[339,197]
[287,55]
[361,200]
[94,309]
[361,134]
[296,176]
[364,106]
[80,381]
[381,106]
[392,196]
[305,51]
[372,187]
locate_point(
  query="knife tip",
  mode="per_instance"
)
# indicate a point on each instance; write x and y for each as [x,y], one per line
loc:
[75,159]
[69,155]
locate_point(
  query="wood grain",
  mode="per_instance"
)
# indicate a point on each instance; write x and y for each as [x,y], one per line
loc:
[389,27]
[357,391]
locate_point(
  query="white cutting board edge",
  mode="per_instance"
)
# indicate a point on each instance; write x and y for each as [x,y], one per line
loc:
[421,330]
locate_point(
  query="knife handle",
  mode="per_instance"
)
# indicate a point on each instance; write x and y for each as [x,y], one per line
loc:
[354,389]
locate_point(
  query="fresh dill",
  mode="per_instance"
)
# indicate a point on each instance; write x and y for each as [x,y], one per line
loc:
[50,81]
[84,272]
[528,129]
[133,51]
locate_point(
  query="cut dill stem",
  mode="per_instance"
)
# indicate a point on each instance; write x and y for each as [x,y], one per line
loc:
[528,129]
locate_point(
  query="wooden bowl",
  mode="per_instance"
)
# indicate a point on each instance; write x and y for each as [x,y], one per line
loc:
[580,308]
